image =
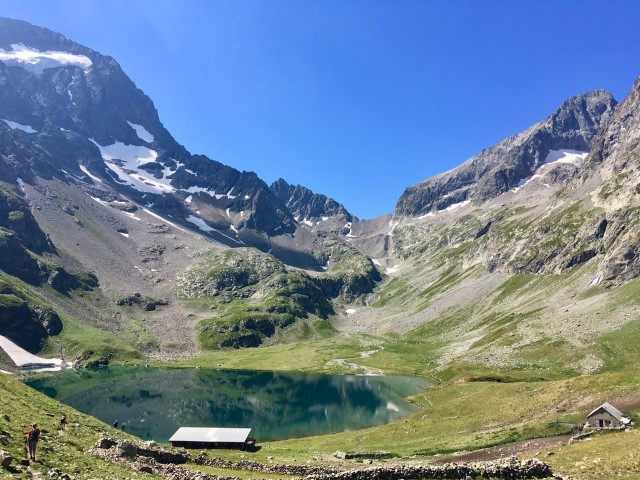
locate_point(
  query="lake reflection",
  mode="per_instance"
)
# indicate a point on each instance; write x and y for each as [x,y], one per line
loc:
[155,402]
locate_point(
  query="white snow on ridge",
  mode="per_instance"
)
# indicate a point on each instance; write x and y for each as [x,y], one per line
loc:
[89,174]
[393,269]
[19,126]
[456,206]
[164,220]
[566,156]
[202,225]
[124,161]
[211,193]
[574,157]
[131,155]
[143,133]
[37,62]
[20,183]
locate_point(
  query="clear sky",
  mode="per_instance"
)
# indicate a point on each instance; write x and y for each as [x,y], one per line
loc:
[356,99]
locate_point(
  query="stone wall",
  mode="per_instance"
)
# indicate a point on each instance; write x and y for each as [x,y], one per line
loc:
[150,458]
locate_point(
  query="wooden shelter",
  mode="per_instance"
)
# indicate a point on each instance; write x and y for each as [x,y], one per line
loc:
[212,437]
[607,416]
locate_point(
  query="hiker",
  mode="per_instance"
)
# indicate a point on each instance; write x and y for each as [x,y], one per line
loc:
[115,424]
[122,427]
[63,422]
[33,435]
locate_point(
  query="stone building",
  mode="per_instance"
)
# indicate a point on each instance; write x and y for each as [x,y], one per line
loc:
[607,416]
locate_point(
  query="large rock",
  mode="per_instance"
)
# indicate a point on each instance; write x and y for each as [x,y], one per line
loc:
[5,459]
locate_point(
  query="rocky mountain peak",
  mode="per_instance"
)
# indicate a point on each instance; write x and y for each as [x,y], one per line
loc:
[307,205]
[618,141]
[497,169]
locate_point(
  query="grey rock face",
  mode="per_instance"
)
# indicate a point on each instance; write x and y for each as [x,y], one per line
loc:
[499,168]
[70,109]
[304,204]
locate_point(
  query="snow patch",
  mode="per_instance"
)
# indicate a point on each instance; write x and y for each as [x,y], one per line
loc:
[164,220]
[376,262]
[89,174]
[24,359]
[307,222]
[101,202]
[188,200]
[393,269]
[202,225]
[125,160]
[595,281]
[350,311]
[124,234]
[456,206]
[37,62]
[129,214]
[211,193]
[19,126]
[20,183]
[574,157]
[392,406]
[143,133]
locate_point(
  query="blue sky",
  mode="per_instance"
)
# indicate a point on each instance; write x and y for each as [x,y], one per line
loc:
[356,99]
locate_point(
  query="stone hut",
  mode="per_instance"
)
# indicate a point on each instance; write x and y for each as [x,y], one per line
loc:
[607,416]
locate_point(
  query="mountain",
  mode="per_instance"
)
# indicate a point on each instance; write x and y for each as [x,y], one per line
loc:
[106,208]
[512,281]
[95,186]
[499,168]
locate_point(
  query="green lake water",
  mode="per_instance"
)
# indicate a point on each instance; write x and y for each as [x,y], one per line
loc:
[154,402]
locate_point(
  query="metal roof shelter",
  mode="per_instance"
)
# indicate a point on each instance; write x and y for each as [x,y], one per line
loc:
[606,415]
[211,437]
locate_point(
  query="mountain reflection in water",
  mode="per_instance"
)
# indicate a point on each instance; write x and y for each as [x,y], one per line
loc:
[153,402]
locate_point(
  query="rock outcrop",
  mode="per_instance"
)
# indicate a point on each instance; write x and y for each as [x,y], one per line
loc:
[306,205]
[501,167]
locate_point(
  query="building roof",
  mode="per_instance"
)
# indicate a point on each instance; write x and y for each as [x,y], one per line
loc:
[610,409]
[211,435]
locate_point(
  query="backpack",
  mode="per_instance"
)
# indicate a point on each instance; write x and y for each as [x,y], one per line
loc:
[32,435]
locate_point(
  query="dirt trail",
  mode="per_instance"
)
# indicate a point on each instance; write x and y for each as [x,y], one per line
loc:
[530,448]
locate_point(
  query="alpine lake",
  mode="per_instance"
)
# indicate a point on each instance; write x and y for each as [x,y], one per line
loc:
[154,402]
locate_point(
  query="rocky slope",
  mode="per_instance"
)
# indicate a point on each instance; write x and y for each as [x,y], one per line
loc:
[313,209]
[499,168]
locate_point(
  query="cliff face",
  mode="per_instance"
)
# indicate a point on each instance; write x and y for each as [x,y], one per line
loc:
[306,205]
[501,167]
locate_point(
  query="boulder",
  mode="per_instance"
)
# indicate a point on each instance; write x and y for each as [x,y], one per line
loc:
[5,459]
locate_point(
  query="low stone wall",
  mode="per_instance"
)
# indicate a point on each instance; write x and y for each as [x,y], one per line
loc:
[511,468]
[152,459]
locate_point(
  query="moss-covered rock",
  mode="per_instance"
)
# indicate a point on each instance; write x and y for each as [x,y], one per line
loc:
[254,296]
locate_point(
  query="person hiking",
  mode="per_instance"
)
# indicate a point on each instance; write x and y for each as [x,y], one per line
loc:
[33,435]
[63,422]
